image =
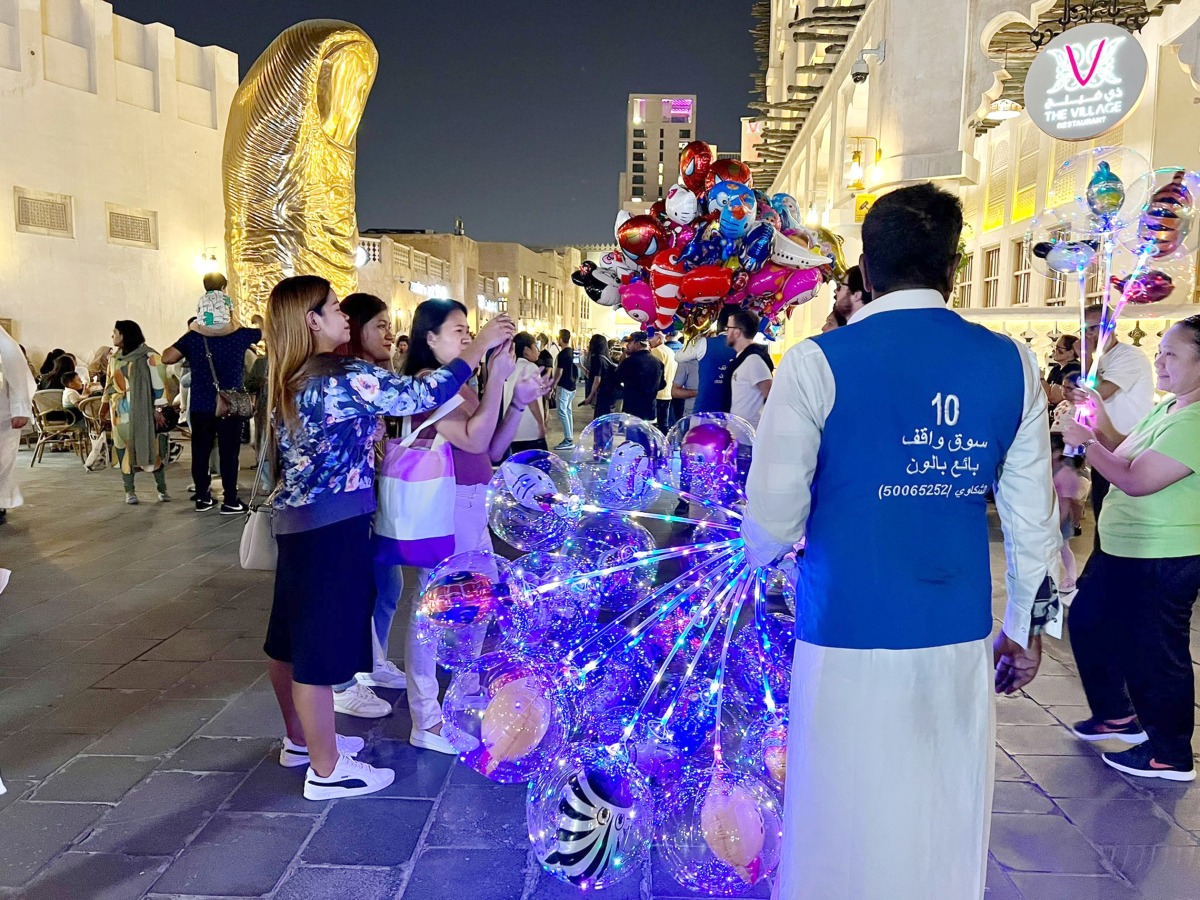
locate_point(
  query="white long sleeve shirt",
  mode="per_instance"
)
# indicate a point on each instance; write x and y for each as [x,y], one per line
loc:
[789,438]
[16,382]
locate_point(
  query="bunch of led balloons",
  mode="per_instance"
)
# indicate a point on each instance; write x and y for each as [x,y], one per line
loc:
[640,690]
[713,240]
[1127,229]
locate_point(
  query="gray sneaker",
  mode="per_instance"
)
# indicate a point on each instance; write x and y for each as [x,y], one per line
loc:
[164,497]
[131,498]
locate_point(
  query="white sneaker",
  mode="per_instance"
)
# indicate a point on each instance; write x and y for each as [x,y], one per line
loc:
[359,700]
[349,778]
[3,789]
[385,676]
[292,755]
[429,740]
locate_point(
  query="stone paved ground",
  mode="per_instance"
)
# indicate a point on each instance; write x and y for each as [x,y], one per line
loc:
[137,734]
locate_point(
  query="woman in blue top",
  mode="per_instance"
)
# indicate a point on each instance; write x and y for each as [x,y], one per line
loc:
[324,409]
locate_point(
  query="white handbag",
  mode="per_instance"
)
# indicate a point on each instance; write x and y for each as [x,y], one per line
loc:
[258,549]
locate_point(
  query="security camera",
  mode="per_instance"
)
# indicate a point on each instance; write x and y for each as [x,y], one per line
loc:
[860,70]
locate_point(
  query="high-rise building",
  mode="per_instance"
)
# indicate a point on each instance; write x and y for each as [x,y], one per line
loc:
[657,126]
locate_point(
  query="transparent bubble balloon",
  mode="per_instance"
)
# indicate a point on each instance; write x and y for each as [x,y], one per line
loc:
[611,540]
[623,674]
[709,456]
[590,817]
[1059,249]
[617,460]
[1166,229]
[533,501]
[562,604]
[506,718]
[764,657]
[722,832]
[1100,190]
[470,604]
[763,753]
[642,739]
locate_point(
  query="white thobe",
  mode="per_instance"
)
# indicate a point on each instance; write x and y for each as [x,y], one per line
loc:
[890,752]
[16,402]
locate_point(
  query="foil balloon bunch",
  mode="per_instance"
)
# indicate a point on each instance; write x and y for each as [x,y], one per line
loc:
[712,240]
[637,684]
[1128,233]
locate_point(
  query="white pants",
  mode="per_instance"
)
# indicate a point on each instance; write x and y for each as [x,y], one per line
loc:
[10,442]
[420,665]
[891,757]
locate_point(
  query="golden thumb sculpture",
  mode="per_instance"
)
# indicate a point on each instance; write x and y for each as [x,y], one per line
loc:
[289,160]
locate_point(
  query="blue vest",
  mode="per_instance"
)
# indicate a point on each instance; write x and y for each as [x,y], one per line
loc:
[897,537]
[710,391]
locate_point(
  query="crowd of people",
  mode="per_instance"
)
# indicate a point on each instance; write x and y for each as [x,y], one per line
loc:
[337,382]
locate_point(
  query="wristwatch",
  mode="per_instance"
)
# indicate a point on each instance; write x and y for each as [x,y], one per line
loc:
[1083,447]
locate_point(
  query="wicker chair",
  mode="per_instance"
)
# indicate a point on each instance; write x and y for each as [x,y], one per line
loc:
[54,425]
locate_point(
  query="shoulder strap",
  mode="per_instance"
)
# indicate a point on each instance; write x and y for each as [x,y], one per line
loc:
[408,435]
[211,367]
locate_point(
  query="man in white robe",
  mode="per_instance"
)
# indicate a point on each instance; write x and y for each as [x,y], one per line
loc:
[880,454]
[16,408]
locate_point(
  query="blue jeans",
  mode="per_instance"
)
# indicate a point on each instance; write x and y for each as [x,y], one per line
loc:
[389,585]
[566,413]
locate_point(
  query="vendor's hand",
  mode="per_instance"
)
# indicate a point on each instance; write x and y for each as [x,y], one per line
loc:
[159,420]
[1075,433]
[532,388]
[496,331]
[1081,394]
[19,422]
[1015,665]
[502,362]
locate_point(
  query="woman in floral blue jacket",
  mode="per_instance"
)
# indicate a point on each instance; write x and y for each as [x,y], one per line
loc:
[323,411]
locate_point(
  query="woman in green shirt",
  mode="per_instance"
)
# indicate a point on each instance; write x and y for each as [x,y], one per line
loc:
[1129,624]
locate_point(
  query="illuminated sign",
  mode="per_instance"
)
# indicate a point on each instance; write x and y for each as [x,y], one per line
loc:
[862,206]
[1086,82]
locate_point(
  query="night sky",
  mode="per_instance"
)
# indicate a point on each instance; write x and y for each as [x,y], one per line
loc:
[510,115]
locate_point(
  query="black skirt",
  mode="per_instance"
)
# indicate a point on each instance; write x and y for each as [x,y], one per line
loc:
[324,596]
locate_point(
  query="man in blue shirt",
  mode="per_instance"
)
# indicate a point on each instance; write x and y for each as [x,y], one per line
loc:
[892,722]
[713,356]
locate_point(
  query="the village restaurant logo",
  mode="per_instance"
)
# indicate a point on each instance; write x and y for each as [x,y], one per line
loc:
[1085,82]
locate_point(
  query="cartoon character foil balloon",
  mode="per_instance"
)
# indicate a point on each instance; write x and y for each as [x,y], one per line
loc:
[638,301]
[789,211]
[720,194]
[599,284]
[1105,192]
[764,211]
[787,251]
[1149,287]
[683,206]
[465,598]
[708,462]
[666,275]
[757,247]
[705,284]
[694,162]
[729,170]
[736,220]
[533,489]
[640,238]
[619,263]
[1066,256]
[733,828]
[1167,219]
[704,249]
[592,821]
[515,720]
[628,469]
